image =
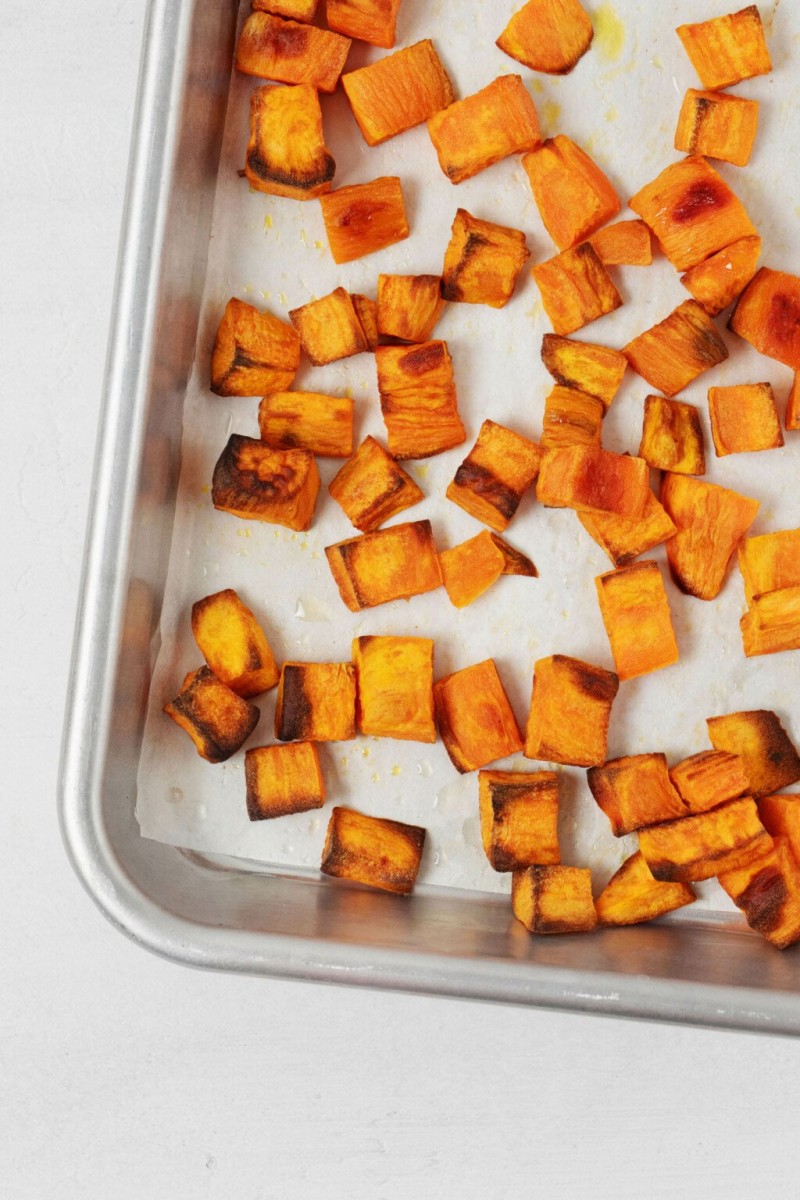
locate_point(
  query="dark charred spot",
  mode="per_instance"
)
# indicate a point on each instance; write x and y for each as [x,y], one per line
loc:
[784,317]
[451,289]
[594,681]
[427,358]
[516,563]
[285,39]
[295,712]
[763,899]
[359,214]
[700,199]
[322,172]
[483,483]
[242,360]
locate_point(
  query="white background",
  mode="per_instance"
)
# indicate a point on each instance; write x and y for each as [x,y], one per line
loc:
[123,1076]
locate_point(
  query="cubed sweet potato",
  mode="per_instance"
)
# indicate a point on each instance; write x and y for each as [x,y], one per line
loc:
[388,564]
[672,437]
[217,720]
[718,126]
[255,482]
[770,562]
[372,21]
[329,328]
[475,718]
[571,418]
[371,487]
[717,281]
[316,702]
[495,475]
[570,711]
[726,50]
[548,35]
[595,370]
[576,289]
[395,687]
[709,779]
[772,623]
[233,643]
[624,244]
[483,261]
[554,899]
[364,217]
[290,52]
[710,521]
[295,10]
[707,844]
[519,818]
[409,306]
[593,480]
[632,895]
[281,780]
[473,134]
[572,194]
[678,349]
[767,890]
[624,540]
[767,315]
[372,850]
[768,755]
[418,399]
[286,153]
[744,418]
[470,569]
[635,611]
[398,92]
[635,791]
[254,352]
[308,420]
[781,817]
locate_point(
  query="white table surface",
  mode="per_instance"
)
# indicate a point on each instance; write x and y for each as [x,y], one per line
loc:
[122,1076]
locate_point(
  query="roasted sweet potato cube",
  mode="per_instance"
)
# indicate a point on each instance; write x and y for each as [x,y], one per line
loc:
[632,895]
[295,10]
[286,154]
[717,281]
[311,420]
[372,850]
[708,779]
[554,899]
[371,487]
[767,316]
[571,418]
[255,482]
[572,194]
[692,212]
[254,352]
[372,21]
[781,817]
[389,564]
[772,623]
[635,791]
[717,126]
[473,134]
[468,570]
[281,780]
[726,50]
[290,52]
[595,370]
[233,644]
[475,718]
[570,711]
[483,261]
[624,244]
[519,818]
[514,561]
[678,349]
[364,217]
[495,475]
[710,521]
[635,611]
[767,891]
[770,562]
[548,35]
[744,418]
[624,540]
[593,480]
[367,313]
[316,702]
[409,306]
[707,844]
[672,437]
[216,719]
[769,758]
[576,289]
[398,92]
[395,687]
[418,399]
[329,328]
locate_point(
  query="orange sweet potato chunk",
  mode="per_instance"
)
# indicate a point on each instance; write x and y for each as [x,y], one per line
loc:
[770,759]
[254,352]
[398,92]
[593,480]
[767,890]
[233,643]
[418,399]
[473,134]
[364,217]
[570,711]
[290,52]
[329,328]
[767,316]
[367,313]
[678,349]
[409,306]
[373,851]
[296,10]
[548,35]
[286,154]
[707,844]
[781,818]
[770,562]
[772,623]
[576,289]
[624,540]
[792,419]
[744,418]
[372,21]
[255,482]
[308,420]
[726,50]
[571,418]
[718,126]
[217,720]
[395,687]
[554,899]
[475,718]
[672,437]
[572,194]
[483,261]
[709,779]
[711,521]
[635,612]
[389,564]
[717,281]
[595,370]
[470,569]
[519,818]
[624,244]
[632,895]
[316,702]
[635,791]
[371,487]
[283,779]
[495,475]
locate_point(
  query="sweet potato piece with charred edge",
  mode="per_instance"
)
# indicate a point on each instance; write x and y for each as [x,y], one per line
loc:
[772,623]
[475,718]
[624,244]
[726,50]
[707,844]
[554,899]
[367,313]
[595,370]
[290,52]
[571,418]
[395,687]
[519,818]
[255,482]
[329,328]
[373,850]
[216,719]
[313,421]
[635,791]
[409,306]
[233,644]
[548,35]
[717,281]
[718,126]
[495,475]
[254,352]
[389,564]
[470,569]
[286,154]
[281,780]
[769,758]
[744,419]
[767,890]
[572,194]
[473,134]
[483,261]
[635,612]
[372,21]
[371,487]
[593,480]
[711,521]
[316,702]
[632,895]
[767,315]
[364,217]
[570,711]
[624,540]
[708,779]
[418,399]
[672,437]
[781,818]
[770,562]
[576,289]
[295,10]
[398,92]
[678,349]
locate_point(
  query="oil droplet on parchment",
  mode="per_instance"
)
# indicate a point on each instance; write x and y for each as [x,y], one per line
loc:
[609,32]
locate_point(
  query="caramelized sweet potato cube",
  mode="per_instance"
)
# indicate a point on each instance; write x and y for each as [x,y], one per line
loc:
[395,687]
[781,817]
[255,482]
[770,562]
[281,780]
[286,154]
[316,702]
[389,564]
[672,437]
[710,521]
[371,487]
[708,779]
[767,890]
[311,420]
[514,561]
[769,758]
[295,10]
[548,35]
[367,313]
[632,895]
[595,370]
[233,644]
[707,844]
[572,194]
[290,52]
[744,418]
[475,718]
[554,899]
[593,480]
[373,851]
[624,540]
[364,217]
[473,134]
[576,289]
[726,50]
[772,623]
[519,818]
[635,612]
[692,212]
[717,126]
[418,399]
[717,281]
[329,328]
[570,711]
[216,719]
[468,570]
[398,92]
[409,306]
[254,352]
[483,261]
[767,316]
[678,349]
[624,244]
[635,791]
[571,418]
[372,21]
[495,475]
